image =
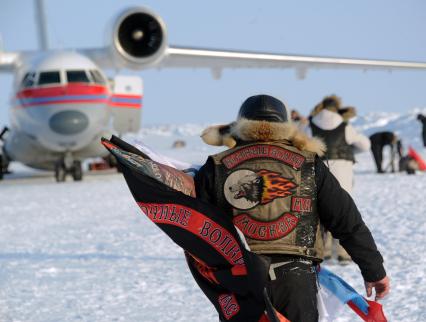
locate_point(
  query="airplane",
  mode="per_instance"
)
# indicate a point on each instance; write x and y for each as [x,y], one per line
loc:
[63,103]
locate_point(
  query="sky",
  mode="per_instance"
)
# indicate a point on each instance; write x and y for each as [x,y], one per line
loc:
[380,29]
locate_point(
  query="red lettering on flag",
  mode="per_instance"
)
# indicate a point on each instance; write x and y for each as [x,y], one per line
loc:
[201,226]
[229,305]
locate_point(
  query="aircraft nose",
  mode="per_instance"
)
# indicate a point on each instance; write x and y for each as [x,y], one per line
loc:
[69,122]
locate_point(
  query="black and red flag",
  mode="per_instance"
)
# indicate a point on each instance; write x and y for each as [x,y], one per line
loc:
[232,277]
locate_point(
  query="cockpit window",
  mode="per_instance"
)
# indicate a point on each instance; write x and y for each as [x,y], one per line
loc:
[28,80]
[49,78]
[77,76]
[97,77]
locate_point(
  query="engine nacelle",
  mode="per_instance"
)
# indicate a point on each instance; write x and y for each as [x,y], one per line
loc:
[139,38]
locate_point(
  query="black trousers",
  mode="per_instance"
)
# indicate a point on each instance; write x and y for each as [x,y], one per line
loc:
[294,291]
[378,156]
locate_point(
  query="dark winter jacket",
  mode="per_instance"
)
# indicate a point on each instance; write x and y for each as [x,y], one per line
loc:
[381,139]
[336,209]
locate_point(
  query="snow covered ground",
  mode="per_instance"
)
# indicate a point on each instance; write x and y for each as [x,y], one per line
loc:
[82,251]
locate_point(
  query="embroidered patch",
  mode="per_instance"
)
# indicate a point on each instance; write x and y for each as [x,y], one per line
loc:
[288,157]
[229,305]
[261,230]
[245,189]
[301,204]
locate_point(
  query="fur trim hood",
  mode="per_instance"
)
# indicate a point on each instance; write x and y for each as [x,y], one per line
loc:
[331,99]
[261,131]
[347,112]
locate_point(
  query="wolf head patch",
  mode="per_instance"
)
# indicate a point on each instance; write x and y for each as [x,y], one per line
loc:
[245,189]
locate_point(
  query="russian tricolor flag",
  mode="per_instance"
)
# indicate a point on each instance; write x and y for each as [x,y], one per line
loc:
[334,293]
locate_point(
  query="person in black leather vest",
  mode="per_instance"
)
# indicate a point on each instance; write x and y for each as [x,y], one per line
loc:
[330,123]
[272,183]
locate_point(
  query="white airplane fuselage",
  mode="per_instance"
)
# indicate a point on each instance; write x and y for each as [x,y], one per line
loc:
[62,104]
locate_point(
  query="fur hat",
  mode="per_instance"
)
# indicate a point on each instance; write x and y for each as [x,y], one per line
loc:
[262,118]
[332,102]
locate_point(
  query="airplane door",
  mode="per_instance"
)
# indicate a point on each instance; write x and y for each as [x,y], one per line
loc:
[126,103]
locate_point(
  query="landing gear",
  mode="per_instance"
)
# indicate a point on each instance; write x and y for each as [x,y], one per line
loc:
[60,171]
[66,166]
[77,171]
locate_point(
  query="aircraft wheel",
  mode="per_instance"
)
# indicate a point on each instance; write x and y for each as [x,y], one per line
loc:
[60,172]
[77,171]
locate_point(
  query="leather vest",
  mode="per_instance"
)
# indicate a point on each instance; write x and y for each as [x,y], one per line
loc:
[337,148]
[270,188]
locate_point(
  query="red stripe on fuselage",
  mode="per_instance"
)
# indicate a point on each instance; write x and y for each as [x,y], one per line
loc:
[134,96]
[75,89]
[105,101]
[125,105]
[69,89]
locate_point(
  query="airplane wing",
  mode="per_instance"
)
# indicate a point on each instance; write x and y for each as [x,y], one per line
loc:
[207,58]
[217,60]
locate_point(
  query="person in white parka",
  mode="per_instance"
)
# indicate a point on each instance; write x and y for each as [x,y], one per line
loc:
[329,121]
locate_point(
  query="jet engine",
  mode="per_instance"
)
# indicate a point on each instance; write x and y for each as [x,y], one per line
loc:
[139,38]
